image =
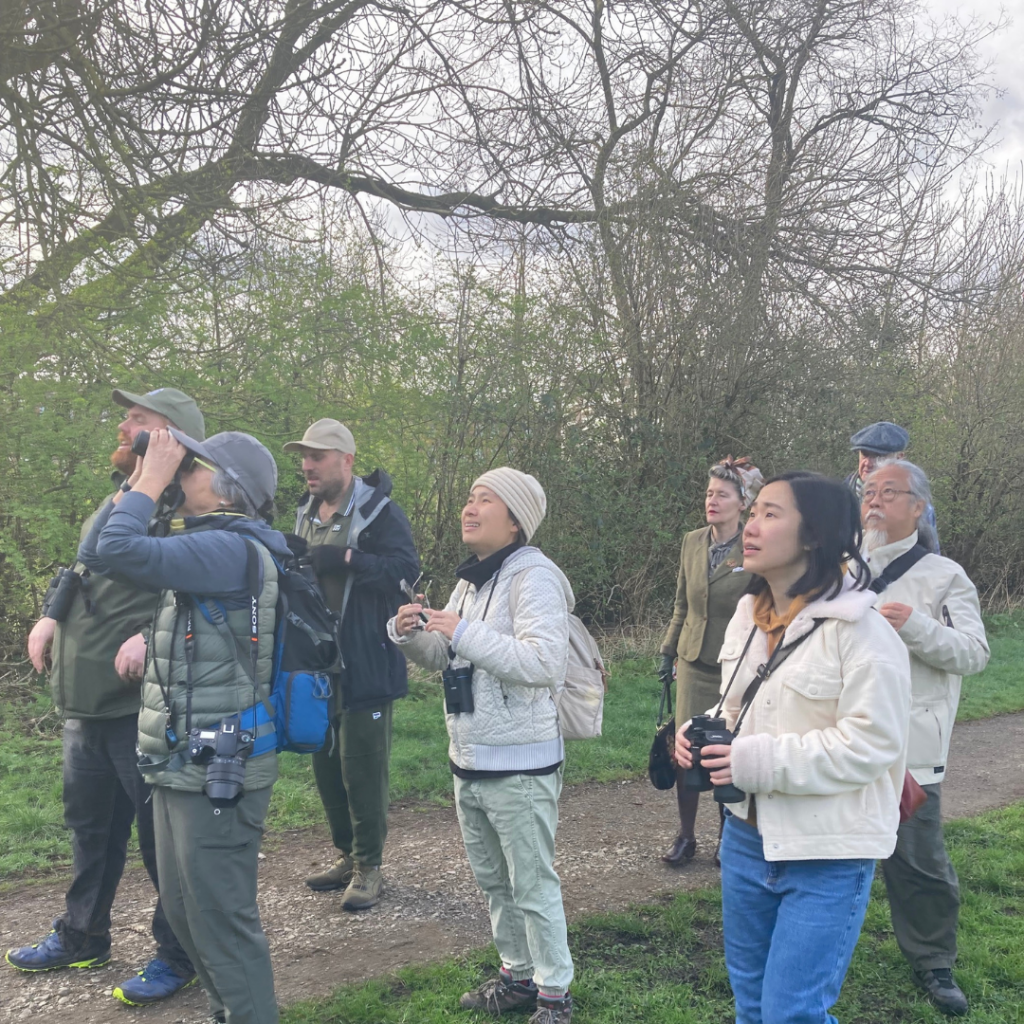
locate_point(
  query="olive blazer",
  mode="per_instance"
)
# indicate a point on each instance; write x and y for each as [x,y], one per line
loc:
[704,606]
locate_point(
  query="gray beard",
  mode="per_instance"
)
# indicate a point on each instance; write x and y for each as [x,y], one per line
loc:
[875,538]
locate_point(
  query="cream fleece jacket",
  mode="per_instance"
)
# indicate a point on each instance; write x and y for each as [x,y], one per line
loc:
[824,743]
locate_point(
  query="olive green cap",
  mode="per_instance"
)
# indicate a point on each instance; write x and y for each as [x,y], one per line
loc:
[181,410]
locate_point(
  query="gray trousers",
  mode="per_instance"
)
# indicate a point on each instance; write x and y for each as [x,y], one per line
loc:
[924,893]
[207,858]
[508,826]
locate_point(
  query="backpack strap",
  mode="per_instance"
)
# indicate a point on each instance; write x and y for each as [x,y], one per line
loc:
[897,567]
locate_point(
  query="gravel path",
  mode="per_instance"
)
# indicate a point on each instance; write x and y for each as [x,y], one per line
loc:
[608,845]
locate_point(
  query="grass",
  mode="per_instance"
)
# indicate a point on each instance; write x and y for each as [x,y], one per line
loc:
[663,964]
[32,839]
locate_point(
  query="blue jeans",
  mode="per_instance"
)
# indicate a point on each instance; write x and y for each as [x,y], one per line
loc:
[790,929]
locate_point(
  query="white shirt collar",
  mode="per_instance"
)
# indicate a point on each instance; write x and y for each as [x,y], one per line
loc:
[880,558]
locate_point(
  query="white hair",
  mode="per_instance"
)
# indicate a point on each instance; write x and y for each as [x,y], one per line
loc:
[921,489]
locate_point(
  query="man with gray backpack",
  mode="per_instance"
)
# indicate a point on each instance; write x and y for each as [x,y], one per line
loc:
[502,645]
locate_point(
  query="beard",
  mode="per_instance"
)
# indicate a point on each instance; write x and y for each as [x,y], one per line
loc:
[123,459]
[874,538]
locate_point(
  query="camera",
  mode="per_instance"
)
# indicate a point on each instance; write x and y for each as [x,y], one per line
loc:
[223,748]
[706,731]
[458,690]
[141,445]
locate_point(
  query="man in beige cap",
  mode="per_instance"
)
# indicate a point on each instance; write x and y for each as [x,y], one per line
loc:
[361,547]
[94,676]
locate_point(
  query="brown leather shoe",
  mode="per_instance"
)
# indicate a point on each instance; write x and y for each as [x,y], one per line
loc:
[681,850]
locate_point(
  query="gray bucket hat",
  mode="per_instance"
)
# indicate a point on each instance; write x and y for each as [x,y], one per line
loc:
[242,457]
[178,407]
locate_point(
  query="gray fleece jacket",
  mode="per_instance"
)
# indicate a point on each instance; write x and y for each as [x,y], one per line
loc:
[518,661]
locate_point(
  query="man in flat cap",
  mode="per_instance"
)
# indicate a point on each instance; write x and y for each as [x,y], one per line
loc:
[95,651]
[883,440]
[361,548]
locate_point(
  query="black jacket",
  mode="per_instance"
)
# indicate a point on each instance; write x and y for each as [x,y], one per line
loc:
[383,553]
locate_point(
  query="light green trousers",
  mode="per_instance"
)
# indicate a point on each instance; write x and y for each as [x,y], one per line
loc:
[508,826]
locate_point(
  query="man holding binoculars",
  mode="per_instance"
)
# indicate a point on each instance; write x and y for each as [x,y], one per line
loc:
[89,639]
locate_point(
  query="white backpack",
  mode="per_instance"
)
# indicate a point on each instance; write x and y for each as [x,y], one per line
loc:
[580,699]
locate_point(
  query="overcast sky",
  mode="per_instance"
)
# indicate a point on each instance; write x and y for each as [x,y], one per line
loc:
[1005,52]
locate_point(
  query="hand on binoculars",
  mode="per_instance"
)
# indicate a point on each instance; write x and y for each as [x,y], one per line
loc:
[683,757]
[717,758]
[163,457]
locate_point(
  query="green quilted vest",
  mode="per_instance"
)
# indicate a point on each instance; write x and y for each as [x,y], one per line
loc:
[221,684]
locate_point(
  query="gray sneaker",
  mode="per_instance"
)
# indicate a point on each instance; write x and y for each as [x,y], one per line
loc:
[553,1011]
[365,888]
[337,876]
[497,996]
[943,991]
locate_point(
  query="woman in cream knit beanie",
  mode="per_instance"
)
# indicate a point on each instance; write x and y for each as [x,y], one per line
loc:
[521,492]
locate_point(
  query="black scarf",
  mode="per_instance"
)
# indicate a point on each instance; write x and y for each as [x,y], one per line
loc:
[478,572]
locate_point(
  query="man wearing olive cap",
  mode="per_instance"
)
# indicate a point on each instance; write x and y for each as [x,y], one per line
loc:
[95,657]
[361,547]
[882,440]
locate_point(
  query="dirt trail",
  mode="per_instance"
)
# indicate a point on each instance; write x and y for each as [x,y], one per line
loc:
[608,845]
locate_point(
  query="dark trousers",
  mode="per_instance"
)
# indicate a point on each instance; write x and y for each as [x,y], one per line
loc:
[924,893]
[103,793]
[354,783]
[208,868]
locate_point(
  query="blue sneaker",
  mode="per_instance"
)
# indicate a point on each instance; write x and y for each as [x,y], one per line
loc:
[157,980]
[50,955]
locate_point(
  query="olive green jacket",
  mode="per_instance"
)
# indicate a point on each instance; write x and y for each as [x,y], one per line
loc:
[704,606]
[103,614]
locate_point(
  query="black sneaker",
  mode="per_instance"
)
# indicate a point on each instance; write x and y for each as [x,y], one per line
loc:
[553,1011]
[499,995]
[943,991]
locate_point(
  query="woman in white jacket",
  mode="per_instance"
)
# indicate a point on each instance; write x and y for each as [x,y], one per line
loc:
[820,752]
[504,647]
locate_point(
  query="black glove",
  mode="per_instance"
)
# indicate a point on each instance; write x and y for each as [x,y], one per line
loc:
[665,672]
[297,545]
[328,560]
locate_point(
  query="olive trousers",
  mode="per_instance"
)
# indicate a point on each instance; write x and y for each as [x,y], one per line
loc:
[354,779]
[207,857]
[924,892]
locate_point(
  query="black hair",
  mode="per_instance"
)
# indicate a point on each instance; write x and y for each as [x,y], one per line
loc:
[830,528]
[520,541]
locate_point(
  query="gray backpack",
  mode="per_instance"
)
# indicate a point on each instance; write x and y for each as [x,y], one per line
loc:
[580,698]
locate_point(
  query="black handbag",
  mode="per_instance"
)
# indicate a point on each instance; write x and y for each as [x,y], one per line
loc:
[661,768]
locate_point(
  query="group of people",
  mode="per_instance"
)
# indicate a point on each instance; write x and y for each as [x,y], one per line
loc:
[832,637]
[775,627]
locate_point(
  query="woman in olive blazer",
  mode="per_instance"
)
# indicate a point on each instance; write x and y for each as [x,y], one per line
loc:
[710,584]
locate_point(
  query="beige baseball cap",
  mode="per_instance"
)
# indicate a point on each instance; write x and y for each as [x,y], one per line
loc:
[326,435]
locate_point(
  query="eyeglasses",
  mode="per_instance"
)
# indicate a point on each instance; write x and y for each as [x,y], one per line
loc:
[887,494]
[203,464]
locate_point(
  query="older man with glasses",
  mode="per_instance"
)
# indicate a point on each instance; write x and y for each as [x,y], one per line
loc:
[934,607]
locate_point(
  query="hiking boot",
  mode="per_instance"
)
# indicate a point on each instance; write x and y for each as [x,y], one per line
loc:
[364,890]
[553,1011]
[157,980]
[499,995]
[49,954]
[942,990]
[337,876]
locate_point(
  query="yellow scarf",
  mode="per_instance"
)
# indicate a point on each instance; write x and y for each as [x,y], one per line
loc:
[769,622]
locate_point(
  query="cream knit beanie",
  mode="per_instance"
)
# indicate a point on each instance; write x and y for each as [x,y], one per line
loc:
[521,492]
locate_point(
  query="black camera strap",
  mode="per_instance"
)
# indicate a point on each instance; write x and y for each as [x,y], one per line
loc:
[897,567]
[190,654]
[778,656]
